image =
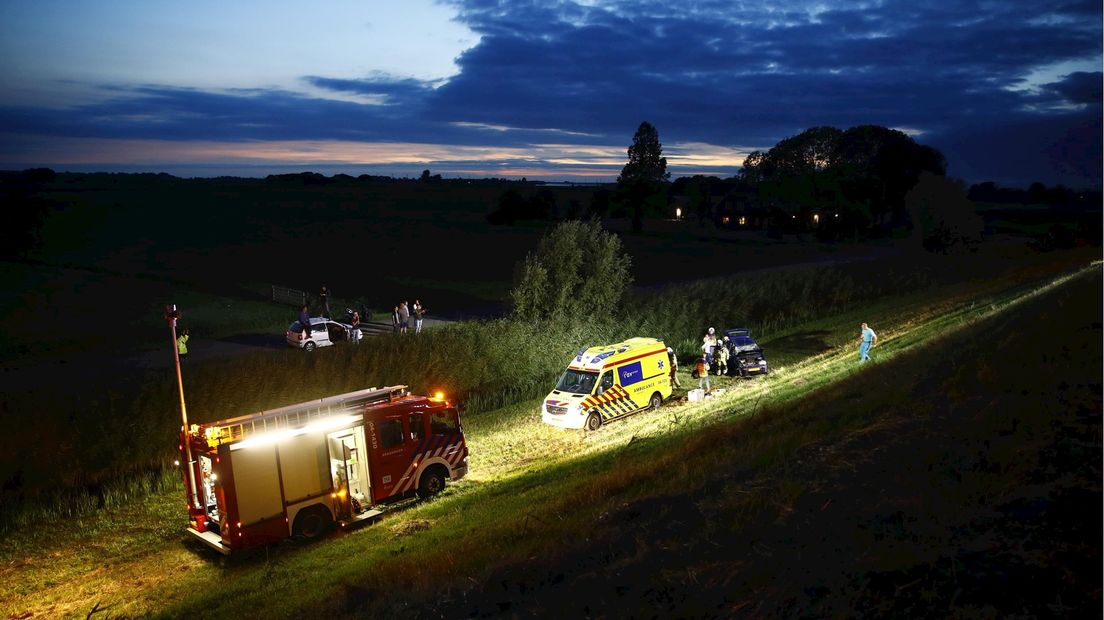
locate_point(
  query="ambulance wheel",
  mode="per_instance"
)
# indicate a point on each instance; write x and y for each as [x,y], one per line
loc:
[593,421]
[432,483]
[655,402]
[313,522]
[309,346]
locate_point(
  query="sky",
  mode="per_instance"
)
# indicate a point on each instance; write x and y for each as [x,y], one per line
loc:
[1008,90]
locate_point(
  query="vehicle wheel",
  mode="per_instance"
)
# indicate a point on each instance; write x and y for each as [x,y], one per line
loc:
[309,346]
[432,483]
[593,421]
[655,402]
[312,522]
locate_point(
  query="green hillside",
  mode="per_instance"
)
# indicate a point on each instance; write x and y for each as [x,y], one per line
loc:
[882,468]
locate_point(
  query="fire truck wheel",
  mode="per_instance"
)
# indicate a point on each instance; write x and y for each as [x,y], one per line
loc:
[593,421]
[309,346]
[313,522]
[432,483]
[655,401]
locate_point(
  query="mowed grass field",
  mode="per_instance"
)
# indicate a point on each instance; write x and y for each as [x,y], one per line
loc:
[546,517]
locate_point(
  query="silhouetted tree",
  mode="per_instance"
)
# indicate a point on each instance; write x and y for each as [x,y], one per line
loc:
[754,169]
[645,173]
[942,217]
[865,170]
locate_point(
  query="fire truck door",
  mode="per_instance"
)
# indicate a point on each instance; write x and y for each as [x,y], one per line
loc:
[348,467]
[389,461]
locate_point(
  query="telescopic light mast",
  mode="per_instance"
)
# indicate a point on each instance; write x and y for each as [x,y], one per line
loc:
[171,315]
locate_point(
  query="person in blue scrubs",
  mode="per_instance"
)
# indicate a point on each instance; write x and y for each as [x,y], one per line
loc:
[869,339]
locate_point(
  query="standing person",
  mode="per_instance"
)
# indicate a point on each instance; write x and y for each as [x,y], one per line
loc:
[304,322]
[672,361]
[354,333]
[324,299]
[419,314]
[721,355]
[702,368]
[182,344]
[709,342]
[404,317]
[867,339]
[395,319]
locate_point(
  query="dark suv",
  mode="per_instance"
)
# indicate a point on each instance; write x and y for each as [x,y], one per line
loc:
[745,356]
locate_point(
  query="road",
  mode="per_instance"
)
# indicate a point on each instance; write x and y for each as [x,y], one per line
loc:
[92,366]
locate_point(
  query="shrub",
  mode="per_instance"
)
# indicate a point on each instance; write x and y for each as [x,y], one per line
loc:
[578,270]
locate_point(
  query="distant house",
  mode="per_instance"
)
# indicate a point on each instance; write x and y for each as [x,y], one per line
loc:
[740,211]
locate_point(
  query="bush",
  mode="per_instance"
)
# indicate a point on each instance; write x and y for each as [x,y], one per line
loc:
[578,271]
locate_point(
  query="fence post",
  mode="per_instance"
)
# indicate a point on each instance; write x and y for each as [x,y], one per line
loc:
[290,296]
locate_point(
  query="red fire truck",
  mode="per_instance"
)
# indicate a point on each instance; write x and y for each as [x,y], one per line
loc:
[300,469]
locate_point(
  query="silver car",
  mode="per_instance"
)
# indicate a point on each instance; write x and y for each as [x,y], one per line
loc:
[323,333]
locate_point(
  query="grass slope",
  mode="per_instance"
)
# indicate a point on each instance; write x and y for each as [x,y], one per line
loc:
[961,479]
[796,313]
[534,493]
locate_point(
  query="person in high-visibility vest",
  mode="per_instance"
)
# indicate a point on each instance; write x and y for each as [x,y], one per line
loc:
[702,370]
[182,344]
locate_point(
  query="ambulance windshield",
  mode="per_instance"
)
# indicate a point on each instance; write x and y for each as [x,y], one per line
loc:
[577,381]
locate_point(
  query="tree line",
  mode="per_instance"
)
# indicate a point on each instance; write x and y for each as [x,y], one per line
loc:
[865,181]
[853,182]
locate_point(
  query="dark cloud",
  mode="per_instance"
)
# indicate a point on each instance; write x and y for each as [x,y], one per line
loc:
[719,72]
[752,74]
[392,91]
[1054,148]
[1079,88]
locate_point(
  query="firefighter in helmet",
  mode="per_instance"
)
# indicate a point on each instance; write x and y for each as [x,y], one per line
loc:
[721,357]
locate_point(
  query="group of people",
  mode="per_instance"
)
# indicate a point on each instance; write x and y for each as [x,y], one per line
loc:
[713,350]
[710,352]
[716,351]
[405,316]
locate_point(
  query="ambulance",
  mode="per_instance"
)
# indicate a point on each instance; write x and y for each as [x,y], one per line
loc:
[608,382]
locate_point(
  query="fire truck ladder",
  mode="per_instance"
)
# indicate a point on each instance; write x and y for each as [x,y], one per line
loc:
[296,416]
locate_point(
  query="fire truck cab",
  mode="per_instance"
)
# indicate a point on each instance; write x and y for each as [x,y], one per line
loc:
[300,469]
